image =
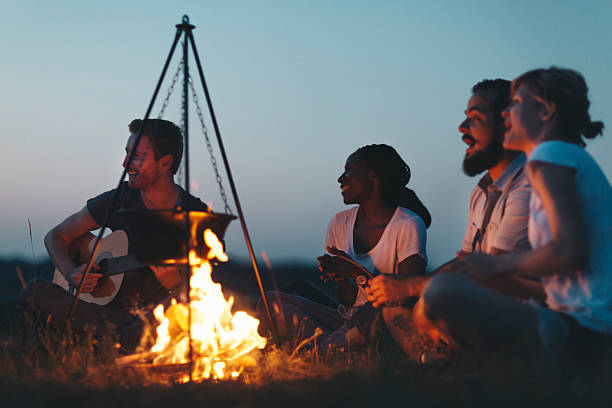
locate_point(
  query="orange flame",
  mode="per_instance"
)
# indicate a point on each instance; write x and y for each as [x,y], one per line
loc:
[220,339]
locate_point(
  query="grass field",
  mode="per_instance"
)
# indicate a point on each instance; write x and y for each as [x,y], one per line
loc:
[42,369]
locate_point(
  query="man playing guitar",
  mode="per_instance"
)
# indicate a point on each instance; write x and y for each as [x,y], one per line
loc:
[150,186]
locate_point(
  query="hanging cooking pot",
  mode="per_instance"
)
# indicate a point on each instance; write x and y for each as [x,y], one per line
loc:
[159,237]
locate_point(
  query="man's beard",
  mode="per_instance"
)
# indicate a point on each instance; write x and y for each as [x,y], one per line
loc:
[484,159]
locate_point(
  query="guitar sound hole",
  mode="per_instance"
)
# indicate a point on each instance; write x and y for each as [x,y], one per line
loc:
[105,285]
[103,260]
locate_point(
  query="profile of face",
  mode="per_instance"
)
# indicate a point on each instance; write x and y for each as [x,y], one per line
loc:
[522,119]
[357,182]
[144,171]
[482,131]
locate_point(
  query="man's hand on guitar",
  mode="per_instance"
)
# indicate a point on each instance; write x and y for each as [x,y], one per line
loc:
[92,277]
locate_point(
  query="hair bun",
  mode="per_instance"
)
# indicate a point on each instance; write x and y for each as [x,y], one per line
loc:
[408,199]
[592,129]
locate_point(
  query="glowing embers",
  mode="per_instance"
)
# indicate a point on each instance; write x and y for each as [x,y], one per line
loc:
[220,340]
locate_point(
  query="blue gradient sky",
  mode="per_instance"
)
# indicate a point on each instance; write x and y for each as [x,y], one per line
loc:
[297,86]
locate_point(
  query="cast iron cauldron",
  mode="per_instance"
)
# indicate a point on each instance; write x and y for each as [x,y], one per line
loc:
[158,237]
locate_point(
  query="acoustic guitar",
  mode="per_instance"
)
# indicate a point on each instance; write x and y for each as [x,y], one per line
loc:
[113,260]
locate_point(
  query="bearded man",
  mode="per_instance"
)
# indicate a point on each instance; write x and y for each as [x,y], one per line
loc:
[497,219]
[499,204]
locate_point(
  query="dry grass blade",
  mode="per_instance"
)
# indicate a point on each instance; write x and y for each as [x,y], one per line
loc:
[32,245]
[20,275]
[316,334]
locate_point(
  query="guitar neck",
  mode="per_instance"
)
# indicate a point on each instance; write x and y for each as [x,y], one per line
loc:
[121,264]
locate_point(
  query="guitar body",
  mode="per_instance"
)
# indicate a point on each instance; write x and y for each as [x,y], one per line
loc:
[113,246]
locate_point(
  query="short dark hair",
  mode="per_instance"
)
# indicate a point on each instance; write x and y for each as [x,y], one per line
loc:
[568,90]
[165,137]
[501,87]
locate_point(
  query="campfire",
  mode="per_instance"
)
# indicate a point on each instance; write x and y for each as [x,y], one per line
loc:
[220,340]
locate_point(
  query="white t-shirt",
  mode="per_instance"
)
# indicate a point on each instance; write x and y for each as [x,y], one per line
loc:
[584,294]
[404,235]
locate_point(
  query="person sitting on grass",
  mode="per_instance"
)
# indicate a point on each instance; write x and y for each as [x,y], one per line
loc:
[150,186]
[385,233]
[570,230]
[497,217]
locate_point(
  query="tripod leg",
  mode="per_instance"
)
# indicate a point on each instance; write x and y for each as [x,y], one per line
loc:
[231,182]
[113,204]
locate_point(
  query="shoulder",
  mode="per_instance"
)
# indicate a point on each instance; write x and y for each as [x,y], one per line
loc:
[343,217]
[339,227]
[196,204]
[409,233]
[554,147]
[192,202]
[98,205]
[476,194]
[107,193]
[520,183]
[103,198]
[405,218]
[558,152]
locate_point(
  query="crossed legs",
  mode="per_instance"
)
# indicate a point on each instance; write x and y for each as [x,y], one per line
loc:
[487,323]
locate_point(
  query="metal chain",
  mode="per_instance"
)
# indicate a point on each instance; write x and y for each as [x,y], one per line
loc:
[209,147]
[179,175]
[170,90]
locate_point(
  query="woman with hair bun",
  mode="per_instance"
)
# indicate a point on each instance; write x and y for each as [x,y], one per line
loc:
[570,231]
[385,233]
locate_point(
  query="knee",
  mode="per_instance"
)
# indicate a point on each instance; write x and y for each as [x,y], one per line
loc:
[275,304]
[38,293]
[433,308]
[27,298]
[437,297]
[274,299]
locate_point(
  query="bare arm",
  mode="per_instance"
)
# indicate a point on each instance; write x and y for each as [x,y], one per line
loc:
[448,266]
[523,288]
[58,239]
[409,282]
[413,266]
[516,285]
[568,249]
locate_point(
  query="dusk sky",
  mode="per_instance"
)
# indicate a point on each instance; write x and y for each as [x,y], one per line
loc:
[297,86]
